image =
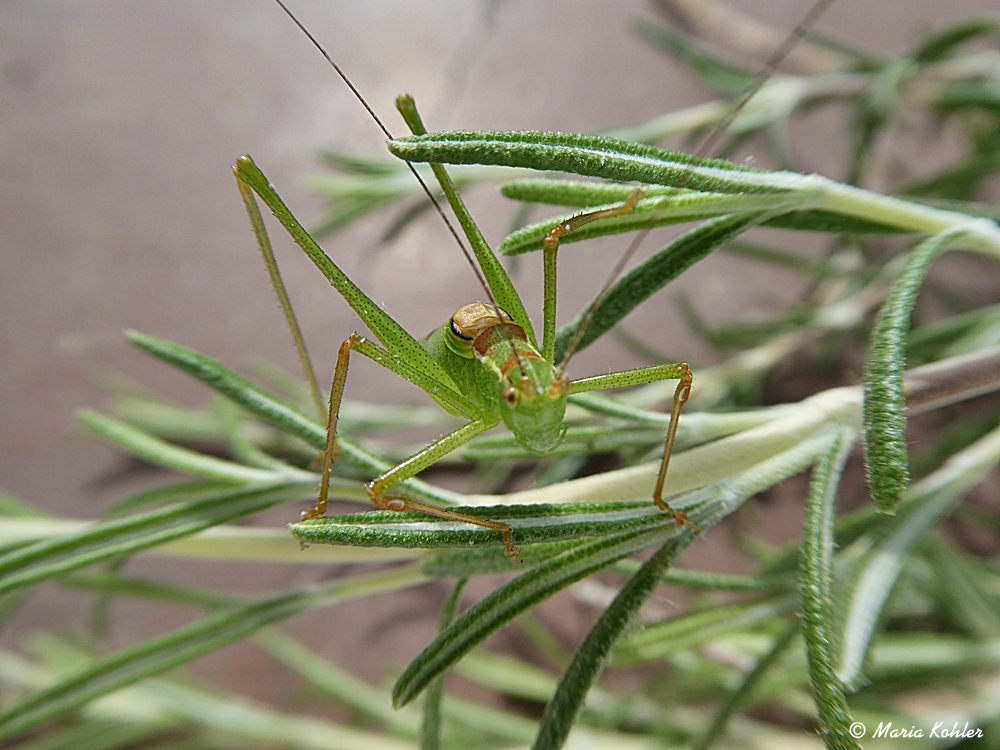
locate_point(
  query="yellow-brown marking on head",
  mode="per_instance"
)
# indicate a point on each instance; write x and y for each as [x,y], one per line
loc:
[469,322]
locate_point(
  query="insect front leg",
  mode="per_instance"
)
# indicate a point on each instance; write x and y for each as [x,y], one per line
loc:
[639,376]
[400,503]
[550,247]
[378,489]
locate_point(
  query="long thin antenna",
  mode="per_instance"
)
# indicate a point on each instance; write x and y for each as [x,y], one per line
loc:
[706,146]
[385,130]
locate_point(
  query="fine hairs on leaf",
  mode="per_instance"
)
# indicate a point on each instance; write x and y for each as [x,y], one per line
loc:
[885,418]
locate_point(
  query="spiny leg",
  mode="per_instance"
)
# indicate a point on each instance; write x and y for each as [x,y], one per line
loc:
[406,350]
[550,246]
[378,489]
[680,370]
[336,397]
[640,376]
[681,394]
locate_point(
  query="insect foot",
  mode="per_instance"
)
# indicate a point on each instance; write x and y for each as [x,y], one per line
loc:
[398,503]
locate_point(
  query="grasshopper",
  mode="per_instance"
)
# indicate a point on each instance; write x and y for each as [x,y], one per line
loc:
[483,364]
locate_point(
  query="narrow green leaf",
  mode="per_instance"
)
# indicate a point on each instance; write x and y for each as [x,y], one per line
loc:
[531,524]
[960,180]
[101,734]
[701,579]
[160,452]
[983,92]
[336,683]
[242,447]
[660,640]
[588,155]
[272,409]
[15,507]
[942,42]
[184,716]
[898,655]
[375,702]
[168,421]
[671,206]
[409,214]
[510,675]
[43,559]
[510,600]
[965,598]
[430,727]
[817,601]
[371,165]
[746,687]
[579,194]
[705,507]
[925,504]
[659,210]
[219,377]
[566,704]
[184,644]
[650,276]
[482,560]
[165,493]
[715,68]
[848,529]
[829,222]
[112,583]
[885,402]
[971,208]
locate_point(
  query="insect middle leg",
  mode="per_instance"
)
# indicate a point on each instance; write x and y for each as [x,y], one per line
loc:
[640,376]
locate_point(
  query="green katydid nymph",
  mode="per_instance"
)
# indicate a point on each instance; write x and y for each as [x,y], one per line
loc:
[484,364]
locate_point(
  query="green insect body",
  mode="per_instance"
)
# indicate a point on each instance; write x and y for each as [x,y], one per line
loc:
[491,359]
[482,365]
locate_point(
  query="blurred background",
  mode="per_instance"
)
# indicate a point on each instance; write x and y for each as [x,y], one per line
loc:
[118,127]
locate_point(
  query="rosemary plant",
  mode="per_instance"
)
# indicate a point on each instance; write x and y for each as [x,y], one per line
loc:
[825,640]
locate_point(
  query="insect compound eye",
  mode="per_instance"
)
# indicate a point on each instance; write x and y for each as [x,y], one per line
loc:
[510,396]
